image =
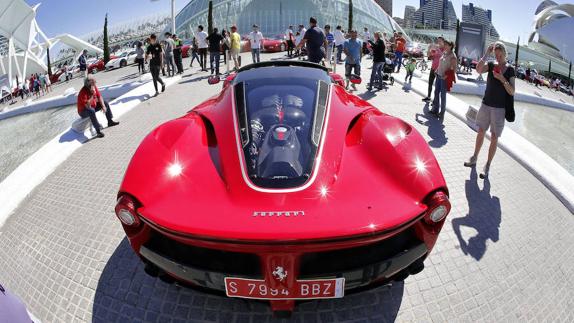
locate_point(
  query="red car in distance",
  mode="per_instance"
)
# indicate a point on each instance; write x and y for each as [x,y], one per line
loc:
[274,44]
[283,187]
[99,65]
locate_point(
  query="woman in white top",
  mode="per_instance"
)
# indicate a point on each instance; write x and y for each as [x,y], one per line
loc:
[447,64]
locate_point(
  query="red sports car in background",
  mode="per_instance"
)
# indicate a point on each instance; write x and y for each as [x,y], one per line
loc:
[99,65]
[414,50]
[274,44]
[283,187]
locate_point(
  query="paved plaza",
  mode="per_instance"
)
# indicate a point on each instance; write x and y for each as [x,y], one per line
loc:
[505,253]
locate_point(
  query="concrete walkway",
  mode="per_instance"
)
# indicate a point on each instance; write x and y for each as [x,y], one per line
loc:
[505,253]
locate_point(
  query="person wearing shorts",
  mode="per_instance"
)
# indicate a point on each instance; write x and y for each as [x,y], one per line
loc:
[499,91]
[235,40]
[352,48]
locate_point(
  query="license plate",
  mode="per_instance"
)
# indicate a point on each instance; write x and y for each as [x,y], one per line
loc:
[302,289]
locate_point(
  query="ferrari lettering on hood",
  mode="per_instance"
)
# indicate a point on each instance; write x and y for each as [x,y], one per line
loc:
[278,213]
[280,120]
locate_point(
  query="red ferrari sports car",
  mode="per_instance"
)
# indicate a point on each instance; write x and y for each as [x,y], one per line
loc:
[274,44]
[283,187]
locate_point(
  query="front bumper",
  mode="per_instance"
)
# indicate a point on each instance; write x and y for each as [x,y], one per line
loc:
[360,263]
[354,278]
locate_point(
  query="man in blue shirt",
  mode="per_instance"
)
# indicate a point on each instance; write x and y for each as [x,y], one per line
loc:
[352,49]
[330,44]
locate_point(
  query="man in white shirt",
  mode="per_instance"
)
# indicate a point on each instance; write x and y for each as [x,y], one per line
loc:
[366,39]
[202,47]
[290,38]
[339,42]
[256,40]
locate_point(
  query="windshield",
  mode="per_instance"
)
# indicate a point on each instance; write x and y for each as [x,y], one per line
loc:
[280,120]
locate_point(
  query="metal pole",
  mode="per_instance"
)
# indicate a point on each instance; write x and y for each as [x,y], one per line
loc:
[173,16]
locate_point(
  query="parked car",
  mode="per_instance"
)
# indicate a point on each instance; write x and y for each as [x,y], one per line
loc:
[413,50]
[245,44]
[274,44]
[283,187]
[98,65]
[122,60]
[185,51]
[521,73]
[565,89]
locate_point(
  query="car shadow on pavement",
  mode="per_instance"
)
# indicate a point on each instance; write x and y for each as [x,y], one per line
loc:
[484,216]
[199,79]
[125,293]
[435,128]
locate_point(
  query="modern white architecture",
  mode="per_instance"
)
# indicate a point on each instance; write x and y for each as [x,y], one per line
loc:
[23,44]
[552,30]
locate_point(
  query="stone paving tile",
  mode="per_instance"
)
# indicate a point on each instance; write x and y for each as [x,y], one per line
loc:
[505,252]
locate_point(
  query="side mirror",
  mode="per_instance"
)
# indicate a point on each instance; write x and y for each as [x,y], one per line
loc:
[213,80]
[355,79]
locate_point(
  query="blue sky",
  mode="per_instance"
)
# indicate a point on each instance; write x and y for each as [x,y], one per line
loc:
[79,17]
[512,18]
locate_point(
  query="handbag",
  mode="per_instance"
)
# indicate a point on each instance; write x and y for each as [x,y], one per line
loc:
[509,113]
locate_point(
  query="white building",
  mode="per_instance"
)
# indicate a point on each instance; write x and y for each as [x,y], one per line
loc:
[23,44]
[478,15]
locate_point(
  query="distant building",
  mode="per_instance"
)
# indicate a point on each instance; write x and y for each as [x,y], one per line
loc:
[435,14]
[409,16]
[387,6]
[400,22]
[477,15]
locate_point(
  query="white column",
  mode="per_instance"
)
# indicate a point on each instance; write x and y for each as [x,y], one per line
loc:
[173,16]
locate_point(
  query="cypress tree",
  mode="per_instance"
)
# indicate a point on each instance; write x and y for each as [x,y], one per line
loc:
[106,42]
[48,57]
[210,18]
[517,50]
[350,16]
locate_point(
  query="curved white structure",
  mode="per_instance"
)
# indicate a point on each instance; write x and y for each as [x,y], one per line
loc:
[553,24]
[23,44]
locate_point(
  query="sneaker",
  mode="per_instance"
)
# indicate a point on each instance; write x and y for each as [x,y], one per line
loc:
[112,123]
[471,162]
[163,87]
[485,171]
[100,135]
[156,94]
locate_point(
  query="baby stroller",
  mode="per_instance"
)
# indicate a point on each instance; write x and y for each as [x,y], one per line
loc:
[386,74]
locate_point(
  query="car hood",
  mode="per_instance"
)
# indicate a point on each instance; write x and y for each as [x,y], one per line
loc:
[374,172]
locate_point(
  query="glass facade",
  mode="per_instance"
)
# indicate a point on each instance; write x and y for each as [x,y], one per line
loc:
[274,16]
